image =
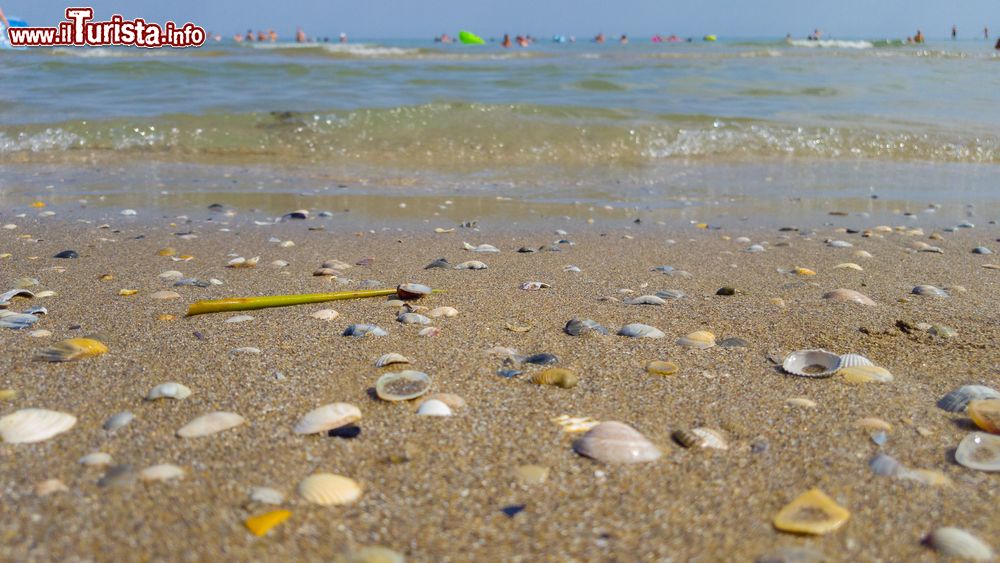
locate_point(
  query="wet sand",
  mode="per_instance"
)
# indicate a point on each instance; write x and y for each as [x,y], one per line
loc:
[434,487]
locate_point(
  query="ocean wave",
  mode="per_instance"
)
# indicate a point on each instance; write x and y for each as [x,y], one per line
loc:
[831,44]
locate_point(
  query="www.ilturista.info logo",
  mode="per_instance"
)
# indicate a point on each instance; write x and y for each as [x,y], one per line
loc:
[78,30]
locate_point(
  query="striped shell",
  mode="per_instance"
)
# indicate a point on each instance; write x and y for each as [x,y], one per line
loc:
[391,358]
[957,400]
[210,423]
[853,360]
[327,489]
[811,363]
[27,426]
[72,349]
[700,438]
[616,442]
[957,543]
[327,418]
[582,327]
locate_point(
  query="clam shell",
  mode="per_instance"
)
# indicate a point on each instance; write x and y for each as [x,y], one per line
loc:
[957,400]
[957,543]
[639,330]
[118,420]
[929,291]
[471,265]
[434,407]
[327,489]
[161,472]
[358,330]
[853,360]
[402,386]
[700,438]
[391,358]
[865,374]
[210,423]
[560,377]
[812,513]
[848,296]
[171,390]
[886,465]
[413,319]
[646,300]
[16,321]
[700,339]
[412,291]
[327,417]
[979,451]
[8,295]
[446,312]
[95,459]
[50,486]
[616,442]
[811,363]
[581,327]
[450,399]
[986,414]
[325,314]
[27,426]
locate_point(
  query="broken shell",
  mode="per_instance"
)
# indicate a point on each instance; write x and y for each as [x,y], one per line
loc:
[811,363]
[327,417]
[701,339]
[327,489]
[659,367]
[616,442]
[241,262]
[986,414]
[560,377]
[852,360]
[162,472]
[413,319]
[72,349]
[582,327]
[929,291]
[865,374]
[325,314]
[239,319]
[886,465]
[433,407]
[957,400]
[27,426]
[412,291]
[480,248]
[95,459]
[429,331]
[639,330]
[359,330]
[391,358]
[446,312]
[534,285]
[957,543]
[812,512]
[450,399]
[531,474]
[979,451]
[117,421]
[169,390]
[402,386]
[646,300]
[210,423]
[801,402]
[262,524]
[700,438]
[471,265]
[848,296]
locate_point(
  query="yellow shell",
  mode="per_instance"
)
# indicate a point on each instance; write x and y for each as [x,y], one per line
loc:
[165,317]
[8,394]
[72,349]
[260,525]
[560,377]
[873,423]
[698,339]
[702,225]
[986,414]
[127,292]
[812,512]
[168,251]
[659,367]
[38,204]
[865,374]
[106,277]
[327,489]
[804,272]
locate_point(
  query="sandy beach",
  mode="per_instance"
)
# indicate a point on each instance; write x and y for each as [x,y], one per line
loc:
[434,488]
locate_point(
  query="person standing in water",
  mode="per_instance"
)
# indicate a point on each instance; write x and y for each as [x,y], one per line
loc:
[954,32]
[986,33]
[919,37]
[624,39]
[506,41]
[300,36]
[599,38]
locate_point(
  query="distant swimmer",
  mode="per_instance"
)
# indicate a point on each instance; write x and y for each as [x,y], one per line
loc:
[300,36]
[919,37]
[599,38]
[986,33]
[506,41]
[997,47]
[954,32]
[522,41]
[343,37]
[238,38]
[261,37]
[623,39]
[817,34]
[249,36]
[272,36]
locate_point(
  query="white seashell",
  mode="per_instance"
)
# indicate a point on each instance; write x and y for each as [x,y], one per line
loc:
[429,331]
[117,421]
[979,451]
[854,360]
[929,291]
[862,254]
[161,472]
[848,266]
[50,486]
[842,295]
[327,489]
[239,319]
[615,442]
[434,407]
[44,293]
[278,264]
[639,330]
[96,458]
[755,248]
[534,285]
[811,363]
[646,300]
[172,275]
[245,350]
[325,314]
[41,333]
[128,212]
[471,265]
[886,466]
[480,248]
[267,495]
[326,418]
[7,296]
[446,312]
[839,244]
[165,295]
[413,319]
[957,400]
[391,358]
[210,423]
[27,426]
[574,269]
[957,543]
[710,438]
[169,390]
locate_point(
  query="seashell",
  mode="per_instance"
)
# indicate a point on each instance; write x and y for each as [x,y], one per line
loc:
[957,400]
[402,386]
[670,294]
[801,402]
[49,486]
[118,421]
[700,438]
[161,472]
[659,367]
[813,513]
[865,374]
[359,330]
[957,543]
[320,272]
[16,321]
[726,291]
[942,331]
[560,377]
[276,264]
[325,314]
[412,291]
[439,263]
[471,265]
[839,244]
[374,554]
[262,524]
[852,360]
[531,474]
[848,296]
[583,327]
[42,333]
[755,248]
[849,266]
[172,275]
[803,271]
[210,423]
[929,291]
[95,459]
[700,339]
[979,451]
[480,248]
[534,286]
[267,495]
[574,269]
[67,254]
[429,331]
[413,319]
[8,295]
[541,359]
[873,423]
[336,265]
[981,250]
[239,319]
[639,330]
[433,407]
[72,349]
[930,477]
[450,399]
[241,262]
[811,363]
[169,390]
[327,489]
[162,295]
[446,312]
[886,466]
[127,292]
[646,300]
[27,426]
[326,418]
[985,413]
[862,254]
[573,424]
[391,358]
[616,442]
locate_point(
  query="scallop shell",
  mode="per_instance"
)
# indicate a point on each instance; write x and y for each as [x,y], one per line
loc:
[27,426]
[957,400]
[327,489]
[812,513]
[412,291]
[886,465]
[325,314]
[72,349]
[979,451]
[582,327]
[413,319]
[701,339]
[811,363]
[402,386]
[471,265]
[118,420]
[986,414]
[359,330]
[616,442]
[865,374]
[700,438]
[171,390]
[446,312]
[957,543]
[639,330]
[848,296]
[434,407]
[853,360]
[327,418]
[646,300]
[391,358]
[929,291]
[210,423]
[560,377]
[161,472]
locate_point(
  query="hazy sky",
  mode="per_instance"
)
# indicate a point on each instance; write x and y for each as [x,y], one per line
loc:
[424,18]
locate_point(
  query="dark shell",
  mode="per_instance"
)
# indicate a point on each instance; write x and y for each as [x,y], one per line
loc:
[439,263]
[542,359]
[67,254]
[580,327]
[959,398]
